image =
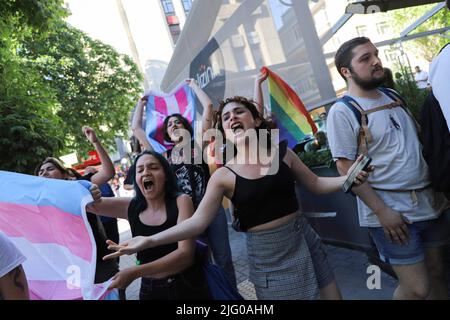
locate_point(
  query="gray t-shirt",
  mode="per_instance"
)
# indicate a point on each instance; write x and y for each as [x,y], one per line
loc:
[10,256]
[395,151]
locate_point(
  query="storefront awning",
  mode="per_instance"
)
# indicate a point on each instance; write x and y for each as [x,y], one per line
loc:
[373,6]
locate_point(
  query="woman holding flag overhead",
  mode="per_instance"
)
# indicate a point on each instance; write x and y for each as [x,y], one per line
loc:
[327,284]
[53,168]
[192,172]
[266,208]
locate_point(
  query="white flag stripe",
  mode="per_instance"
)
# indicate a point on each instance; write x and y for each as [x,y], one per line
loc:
[38,267]
[172,104]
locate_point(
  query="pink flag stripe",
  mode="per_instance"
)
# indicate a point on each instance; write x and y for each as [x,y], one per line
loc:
[33,222]
[161,107]
[182,100]
[49,290]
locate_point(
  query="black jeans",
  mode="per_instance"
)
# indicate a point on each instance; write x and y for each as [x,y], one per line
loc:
[159,289]
[189,285]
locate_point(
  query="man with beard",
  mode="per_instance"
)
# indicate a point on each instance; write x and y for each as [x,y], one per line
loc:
[397,205]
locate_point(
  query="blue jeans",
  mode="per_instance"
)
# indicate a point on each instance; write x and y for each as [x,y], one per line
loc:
[216,236]
[423,234]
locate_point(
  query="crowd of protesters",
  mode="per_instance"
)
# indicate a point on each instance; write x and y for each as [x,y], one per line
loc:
[172,203]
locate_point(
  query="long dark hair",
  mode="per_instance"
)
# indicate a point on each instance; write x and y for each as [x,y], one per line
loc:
[251,106]
[184,122]
[170,185]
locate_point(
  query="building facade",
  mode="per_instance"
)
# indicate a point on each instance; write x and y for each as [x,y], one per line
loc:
[226,42]
[146,30]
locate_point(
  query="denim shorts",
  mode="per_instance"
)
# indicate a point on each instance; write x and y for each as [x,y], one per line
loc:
[423,234]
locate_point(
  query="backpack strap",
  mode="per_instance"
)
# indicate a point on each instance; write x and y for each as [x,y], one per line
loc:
[364,136]
[399,99]
[352,105]
[391,93]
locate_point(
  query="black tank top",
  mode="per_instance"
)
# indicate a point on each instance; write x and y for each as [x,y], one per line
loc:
[140,229]
[258,201]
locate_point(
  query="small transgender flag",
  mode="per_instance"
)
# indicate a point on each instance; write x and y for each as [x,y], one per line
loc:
[159,106]
[46,220]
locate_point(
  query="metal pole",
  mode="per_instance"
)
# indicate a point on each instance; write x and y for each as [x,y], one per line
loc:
[131,43]
[314,49]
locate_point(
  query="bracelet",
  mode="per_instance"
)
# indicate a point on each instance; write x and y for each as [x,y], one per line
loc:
[93,142]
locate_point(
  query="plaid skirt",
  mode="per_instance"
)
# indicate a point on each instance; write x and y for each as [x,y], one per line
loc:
[281,263]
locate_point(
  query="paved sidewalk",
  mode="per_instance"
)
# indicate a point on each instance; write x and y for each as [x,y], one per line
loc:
[350,268]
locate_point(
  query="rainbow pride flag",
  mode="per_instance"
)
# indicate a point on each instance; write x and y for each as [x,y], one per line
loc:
[292,118]
[160,105]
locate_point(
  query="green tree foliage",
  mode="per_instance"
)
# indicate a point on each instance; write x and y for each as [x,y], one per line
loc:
[406,86]
[316,158]
[53,80]
[28,125]
[426,47]
[94,84]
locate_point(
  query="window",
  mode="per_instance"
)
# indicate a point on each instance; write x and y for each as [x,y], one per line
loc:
[168,7]
[361,30]
[297,35]
[175,32]
[382,27]
[391,55]
[187,5]
[253,37]
[241,59]
[237,41]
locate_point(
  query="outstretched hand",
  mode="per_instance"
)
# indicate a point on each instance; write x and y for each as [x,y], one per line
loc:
[90,134]
[128,247]
[122,279]
[362,176]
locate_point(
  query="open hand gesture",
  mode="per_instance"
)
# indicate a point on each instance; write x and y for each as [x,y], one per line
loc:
[128,247]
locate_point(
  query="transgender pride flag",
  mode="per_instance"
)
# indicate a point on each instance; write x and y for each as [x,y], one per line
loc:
[46,220]
[159,106]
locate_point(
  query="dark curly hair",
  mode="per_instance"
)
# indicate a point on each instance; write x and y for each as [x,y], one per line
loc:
[247,103]
[252,107]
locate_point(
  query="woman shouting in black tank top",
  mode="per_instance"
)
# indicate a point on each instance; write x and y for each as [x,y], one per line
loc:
[168,271]
[286,258]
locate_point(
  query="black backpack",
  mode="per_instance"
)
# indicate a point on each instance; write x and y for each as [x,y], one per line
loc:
[436,143]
